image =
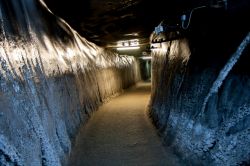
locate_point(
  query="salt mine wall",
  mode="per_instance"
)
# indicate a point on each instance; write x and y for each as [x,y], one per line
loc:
[51,80]
[200,99]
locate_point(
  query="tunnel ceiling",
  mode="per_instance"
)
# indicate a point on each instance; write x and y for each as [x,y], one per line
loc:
[106,21]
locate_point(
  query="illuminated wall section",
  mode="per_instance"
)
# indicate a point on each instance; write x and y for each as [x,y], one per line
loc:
[51,79]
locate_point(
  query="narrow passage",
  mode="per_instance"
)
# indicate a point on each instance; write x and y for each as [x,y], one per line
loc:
[121,134]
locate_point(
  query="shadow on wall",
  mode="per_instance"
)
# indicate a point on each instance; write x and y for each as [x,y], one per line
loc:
[200,96]
[51,79]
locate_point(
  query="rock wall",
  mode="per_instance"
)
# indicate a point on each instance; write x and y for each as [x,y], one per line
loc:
[51,80]
[201,93]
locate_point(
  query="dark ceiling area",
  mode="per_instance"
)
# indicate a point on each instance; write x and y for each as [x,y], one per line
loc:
[106,21]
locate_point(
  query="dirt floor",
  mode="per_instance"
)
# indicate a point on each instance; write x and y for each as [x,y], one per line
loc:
[121,134]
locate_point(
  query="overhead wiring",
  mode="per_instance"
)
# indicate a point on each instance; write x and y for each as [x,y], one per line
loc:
[184,17]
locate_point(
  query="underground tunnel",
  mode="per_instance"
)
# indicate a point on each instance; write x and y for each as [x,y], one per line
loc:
[124,83]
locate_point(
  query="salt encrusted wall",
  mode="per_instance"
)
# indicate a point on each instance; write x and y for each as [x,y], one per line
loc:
[202,113]
[51,80]
[201,93]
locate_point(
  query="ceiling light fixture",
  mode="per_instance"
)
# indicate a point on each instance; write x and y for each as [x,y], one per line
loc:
[127,48]
[146,57]
[128,45]
[131,34]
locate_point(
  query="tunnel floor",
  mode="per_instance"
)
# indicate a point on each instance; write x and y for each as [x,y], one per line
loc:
[121,134]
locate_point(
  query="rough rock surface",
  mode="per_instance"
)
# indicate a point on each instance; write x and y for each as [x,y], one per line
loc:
[201,93]
[51,79]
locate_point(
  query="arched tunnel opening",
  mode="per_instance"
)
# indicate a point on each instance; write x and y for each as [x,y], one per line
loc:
[124,83]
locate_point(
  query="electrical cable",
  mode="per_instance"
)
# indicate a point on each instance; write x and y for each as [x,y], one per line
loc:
[183,17]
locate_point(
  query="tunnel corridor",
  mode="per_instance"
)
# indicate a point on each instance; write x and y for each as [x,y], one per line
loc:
[124,83]
[121,133]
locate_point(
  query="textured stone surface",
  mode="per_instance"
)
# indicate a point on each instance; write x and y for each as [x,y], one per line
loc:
[51,80]
[201,103]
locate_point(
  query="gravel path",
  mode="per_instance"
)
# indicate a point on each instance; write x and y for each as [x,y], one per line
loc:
[121,134]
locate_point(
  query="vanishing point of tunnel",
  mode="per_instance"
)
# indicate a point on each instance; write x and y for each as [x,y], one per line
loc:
[124,83]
